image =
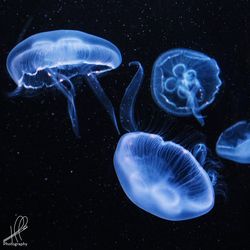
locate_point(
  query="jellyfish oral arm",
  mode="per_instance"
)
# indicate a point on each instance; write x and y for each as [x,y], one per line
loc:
[193,102]
[193,105]
[69,93]
[189,90]
[102,97]
[127,116]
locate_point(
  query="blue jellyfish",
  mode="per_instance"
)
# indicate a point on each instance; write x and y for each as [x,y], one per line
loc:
[161,177]
[234,143]
[51,59]
[184,82]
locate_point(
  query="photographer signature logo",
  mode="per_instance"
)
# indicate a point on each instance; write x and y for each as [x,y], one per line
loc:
[15,238]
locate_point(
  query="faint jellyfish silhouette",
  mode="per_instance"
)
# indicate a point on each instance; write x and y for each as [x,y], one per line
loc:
[184,82]
[53,58]
[234,143]
[161,177]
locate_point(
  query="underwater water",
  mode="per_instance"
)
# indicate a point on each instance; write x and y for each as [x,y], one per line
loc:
[65,184]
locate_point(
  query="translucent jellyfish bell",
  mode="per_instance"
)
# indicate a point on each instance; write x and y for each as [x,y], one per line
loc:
[162,177]
[51,59]
[234,143]
[184,82]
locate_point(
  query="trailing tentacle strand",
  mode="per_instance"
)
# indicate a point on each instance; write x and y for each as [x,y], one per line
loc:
[127,116]
[69,93]
[102,97]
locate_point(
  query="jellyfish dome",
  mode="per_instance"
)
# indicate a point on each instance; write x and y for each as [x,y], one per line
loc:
[184,82]
[162,177]
[234,143]
[51,59]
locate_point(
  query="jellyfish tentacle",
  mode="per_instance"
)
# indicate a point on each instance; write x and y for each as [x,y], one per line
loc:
[15,92]
[189,92]
[200,153]
[63,79]
[198,116]
[127,116]
[102,97]
[69,93]
[71,107]
[193,105]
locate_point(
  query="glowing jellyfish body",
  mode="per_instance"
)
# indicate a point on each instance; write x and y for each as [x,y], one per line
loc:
[234,143]
[184,82]
[162,177]
[51,59]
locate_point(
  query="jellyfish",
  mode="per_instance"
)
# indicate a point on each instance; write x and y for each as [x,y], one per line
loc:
[184,82]
[51,59]
[234,143]
[161,177]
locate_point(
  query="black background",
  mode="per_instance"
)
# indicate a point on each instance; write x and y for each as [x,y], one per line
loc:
[66,186]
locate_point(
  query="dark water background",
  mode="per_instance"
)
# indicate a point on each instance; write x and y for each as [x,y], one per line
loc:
[67,187]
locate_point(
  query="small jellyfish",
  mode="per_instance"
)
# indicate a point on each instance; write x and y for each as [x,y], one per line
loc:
[234,143]
[184,82]
[51,59]
[161,177]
